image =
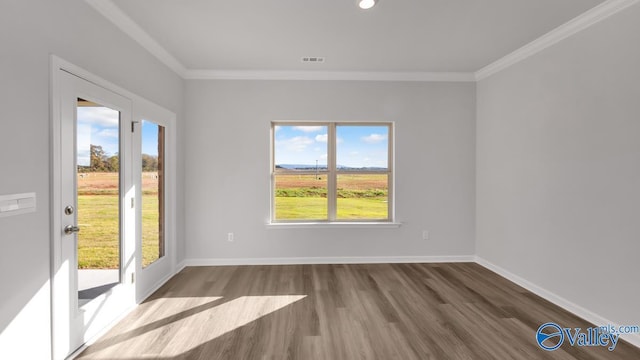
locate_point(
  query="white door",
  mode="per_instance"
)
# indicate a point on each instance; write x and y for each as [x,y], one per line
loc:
[94,228]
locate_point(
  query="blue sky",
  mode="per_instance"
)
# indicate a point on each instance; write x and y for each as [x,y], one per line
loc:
[100,126]
[149,138]
[357,146]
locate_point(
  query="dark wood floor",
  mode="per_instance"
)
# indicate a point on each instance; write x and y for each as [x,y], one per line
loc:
[386,311]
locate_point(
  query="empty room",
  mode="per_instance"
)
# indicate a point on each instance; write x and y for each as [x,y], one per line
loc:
[337,179]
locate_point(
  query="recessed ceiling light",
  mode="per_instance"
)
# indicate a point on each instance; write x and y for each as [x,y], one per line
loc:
[366,4]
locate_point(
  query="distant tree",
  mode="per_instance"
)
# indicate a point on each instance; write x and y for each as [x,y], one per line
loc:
[114,163]
[98,157]
[100,162]
[149,162]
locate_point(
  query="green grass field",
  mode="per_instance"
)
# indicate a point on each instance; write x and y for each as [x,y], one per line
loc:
[99,236]
[315,208]
[304,197]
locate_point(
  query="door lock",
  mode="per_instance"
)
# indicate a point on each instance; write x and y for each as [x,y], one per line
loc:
[70,229]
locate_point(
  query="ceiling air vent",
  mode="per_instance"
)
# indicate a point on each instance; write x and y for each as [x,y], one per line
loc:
[312,59]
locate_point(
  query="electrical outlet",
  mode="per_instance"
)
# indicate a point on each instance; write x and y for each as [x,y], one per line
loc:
[425,235]
[230,237]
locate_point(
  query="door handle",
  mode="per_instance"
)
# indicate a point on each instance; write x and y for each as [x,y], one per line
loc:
[70,229]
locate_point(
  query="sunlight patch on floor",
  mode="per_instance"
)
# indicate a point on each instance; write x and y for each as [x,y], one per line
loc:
[170,306]
[225,318]
[201,324]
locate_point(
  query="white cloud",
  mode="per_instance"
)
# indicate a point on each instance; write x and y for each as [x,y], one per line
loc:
[322,138]
[323,157]
[108,133]
[296,144]
[309,129]
[374,138]
[97,126]
[101,116]
[83,143]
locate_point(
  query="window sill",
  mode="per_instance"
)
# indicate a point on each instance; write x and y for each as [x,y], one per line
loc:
[332,225]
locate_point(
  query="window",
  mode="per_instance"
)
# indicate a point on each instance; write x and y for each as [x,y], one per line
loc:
[153,192]
[332,172]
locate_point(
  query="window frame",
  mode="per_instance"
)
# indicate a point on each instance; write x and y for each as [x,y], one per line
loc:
[332,173]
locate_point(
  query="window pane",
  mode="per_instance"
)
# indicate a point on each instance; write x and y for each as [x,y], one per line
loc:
[362,147]
[98,191]
[301,197]
[300,147]
[152,192]
[363,196]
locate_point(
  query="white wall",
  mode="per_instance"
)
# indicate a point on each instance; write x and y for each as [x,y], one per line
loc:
[29,32]
[227,167]
[558,168]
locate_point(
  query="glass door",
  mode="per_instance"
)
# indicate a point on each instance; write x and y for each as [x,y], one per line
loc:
[113,203]
[94,278]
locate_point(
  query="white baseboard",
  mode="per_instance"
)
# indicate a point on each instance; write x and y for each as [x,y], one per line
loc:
[101,333]
[329,260]
[180,266]
[155,287]
[633,339]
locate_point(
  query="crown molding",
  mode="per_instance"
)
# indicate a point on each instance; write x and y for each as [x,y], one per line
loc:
[328,75]
[579,23]
[113,13]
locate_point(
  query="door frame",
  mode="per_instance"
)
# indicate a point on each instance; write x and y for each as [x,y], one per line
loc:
[146,282]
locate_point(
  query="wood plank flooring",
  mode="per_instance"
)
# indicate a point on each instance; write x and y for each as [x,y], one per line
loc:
[333,312]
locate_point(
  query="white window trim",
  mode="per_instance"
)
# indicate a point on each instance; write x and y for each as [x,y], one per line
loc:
[331,174]
[335,224]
